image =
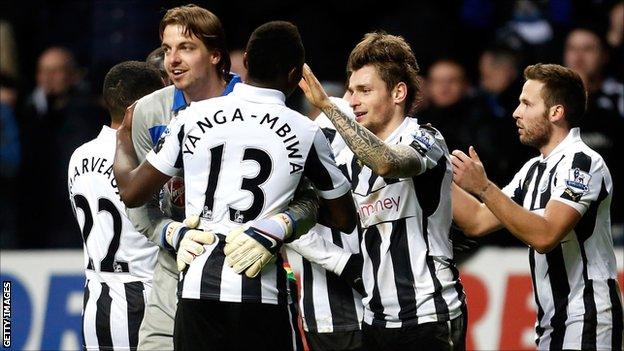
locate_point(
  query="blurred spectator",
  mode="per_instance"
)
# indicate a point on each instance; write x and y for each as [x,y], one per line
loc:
[463,119]
[500,81]
[500,85]
[58,117]
[8,58]
[603,125]
[156,59]
[238,66]
[585,52]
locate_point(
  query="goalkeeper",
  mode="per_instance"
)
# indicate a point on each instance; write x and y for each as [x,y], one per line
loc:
[242,155]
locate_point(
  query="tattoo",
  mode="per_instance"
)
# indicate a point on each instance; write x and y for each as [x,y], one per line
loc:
[391,161]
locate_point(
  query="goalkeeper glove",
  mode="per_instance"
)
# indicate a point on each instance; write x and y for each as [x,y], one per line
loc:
[250,250]
[187,241]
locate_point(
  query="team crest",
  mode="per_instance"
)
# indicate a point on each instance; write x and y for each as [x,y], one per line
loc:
[578,181]
[161,140]
[207,214]
[239,217]
[543,185]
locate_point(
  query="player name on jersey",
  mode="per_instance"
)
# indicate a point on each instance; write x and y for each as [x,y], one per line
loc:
[283,130]
[95,165]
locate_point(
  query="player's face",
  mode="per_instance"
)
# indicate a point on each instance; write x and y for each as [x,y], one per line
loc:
[531,116]
[370,99]
[187,60]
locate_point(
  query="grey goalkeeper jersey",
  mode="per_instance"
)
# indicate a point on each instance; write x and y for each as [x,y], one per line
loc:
[151,117]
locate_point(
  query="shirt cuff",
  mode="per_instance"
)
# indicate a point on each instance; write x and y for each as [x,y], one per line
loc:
[161,165]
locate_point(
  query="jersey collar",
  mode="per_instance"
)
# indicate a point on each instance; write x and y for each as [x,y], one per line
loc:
[573,136]
[260,95]
[107,131]
[179,102]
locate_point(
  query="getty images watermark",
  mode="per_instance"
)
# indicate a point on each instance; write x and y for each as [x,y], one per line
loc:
[6,313]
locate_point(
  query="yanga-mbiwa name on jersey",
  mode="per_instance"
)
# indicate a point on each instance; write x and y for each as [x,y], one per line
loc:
[95,164]
[219,118]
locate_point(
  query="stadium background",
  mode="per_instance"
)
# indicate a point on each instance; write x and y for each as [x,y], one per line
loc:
[40,241]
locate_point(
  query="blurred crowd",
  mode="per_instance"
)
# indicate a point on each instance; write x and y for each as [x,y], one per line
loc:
[471,52]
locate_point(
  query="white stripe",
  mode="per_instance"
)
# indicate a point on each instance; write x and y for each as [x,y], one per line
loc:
[322,310]
[293,332]
[119,316]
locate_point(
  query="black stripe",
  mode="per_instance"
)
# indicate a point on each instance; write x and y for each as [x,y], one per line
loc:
[216,156]
[345,171]
[178,162]
[329,133]
[539,329]
[136,310]
[521,191]
[341,303]
[211,272]
[102,318]
[546,195]
[590,316]
[336,237]
[541,167]
[616,315]
[441,307]
[355,173]
[403,275]
[372,242]
[85,301]
[459,288]
[315,170]
[584,229]
[558,277]
[371,182]
[428,188]
[251,288]
[308,297]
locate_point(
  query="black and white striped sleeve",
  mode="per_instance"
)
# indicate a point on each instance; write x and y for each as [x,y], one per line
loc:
[429,145]
[579,180]
[321,169]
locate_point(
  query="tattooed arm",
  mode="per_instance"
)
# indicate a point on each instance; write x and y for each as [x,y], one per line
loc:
[393,161]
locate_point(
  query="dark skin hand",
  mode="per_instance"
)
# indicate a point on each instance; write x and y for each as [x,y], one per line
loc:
[137,183]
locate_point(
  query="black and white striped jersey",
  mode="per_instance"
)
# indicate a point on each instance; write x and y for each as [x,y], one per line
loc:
[409,274]
[119,261]
[112,314]
[243,156]
[576,292]
[326,303]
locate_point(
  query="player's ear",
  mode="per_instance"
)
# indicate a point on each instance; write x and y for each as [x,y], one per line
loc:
[556,113]
[245,60]
[295,74]
[215,57]
[399,93]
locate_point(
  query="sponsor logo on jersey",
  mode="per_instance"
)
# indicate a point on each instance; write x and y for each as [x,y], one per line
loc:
[385,204]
